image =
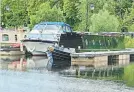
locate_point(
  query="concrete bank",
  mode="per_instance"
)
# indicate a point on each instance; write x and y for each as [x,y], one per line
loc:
[102,59]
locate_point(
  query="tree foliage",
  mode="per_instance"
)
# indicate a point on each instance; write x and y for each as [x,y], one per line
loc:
[104,22]
[128,20]
[77,13]
[70,8]
[13,13]
[46,13]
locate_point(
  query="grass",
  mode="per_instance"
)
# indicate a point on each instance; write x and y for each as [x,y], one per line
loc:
[129,42]
[129,75]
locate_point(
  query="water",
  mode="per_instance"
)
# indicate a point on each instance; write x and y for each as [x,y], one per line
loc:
[33,76]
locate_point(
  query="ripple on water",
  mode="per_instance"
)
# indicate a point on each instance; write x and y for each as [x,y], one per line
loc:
[15,81]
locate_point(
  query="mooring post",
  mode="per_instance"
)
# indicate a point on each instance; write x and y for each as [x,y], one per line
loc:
[85,74]
[99,73]
[21,46]
[78,72]
[111,71]
[93,73]
[133,74]
[107,72]
[104,73]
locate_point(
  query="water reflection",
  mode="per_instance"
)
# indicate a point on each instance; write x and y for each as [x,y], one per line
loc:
[37,62]
[16,81]
[22,63]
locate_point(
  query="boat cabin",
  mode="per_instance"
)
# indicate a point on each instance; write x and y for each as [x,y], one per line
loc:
[53,26]
[48,30]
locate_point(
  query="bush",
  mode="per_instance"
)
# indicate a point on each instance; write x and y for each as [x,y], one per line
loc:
[129,42]
[104,22]
[129,75]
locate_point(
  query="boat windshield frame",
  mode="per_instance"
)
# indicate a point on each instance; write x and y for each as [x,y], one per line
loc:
[47,27]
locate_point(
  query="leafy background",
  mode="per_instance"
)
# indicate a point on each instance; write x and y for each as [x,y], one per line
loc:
[108,15]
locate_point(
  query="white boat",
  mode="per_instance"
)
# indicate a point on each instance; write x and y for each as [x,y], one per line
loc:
[46,34]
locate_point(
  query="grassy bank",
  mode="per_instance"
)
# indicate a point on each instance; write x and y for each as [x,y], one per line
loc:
[129,75]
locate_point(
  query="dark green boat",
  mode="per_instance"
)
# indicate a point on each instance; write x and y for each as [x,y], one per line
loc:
[88,42]
[103,42]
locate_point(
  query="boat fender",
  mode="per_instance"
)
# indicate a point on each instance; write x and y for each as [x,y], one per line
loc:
[50,48]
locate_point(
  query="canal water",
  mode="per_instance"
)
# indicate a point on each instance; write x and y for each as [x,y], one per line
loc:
[18,74]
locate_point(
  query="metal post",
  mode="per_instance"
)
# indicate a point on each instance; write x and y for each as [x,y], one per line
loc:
[133,74]
[21,46]
[86,16]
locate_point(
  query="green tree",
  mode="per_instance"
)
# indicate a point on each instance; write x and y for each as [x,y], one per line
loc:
[14,13]
[85,8]
[58,3]
[104,22]
[46,13]
[128,20]
[70,8]
[121,6]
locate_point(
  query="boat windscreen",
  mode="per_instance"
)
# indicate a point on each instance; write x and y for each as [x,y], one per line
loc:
[47,27]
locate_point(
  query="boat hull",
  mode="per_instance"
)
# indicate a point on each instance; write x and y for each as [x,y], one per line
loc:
[58,59]
[37,47]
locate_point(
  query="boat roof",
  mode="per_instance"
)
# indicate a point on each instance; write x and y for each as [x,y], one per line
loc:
[54,23]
